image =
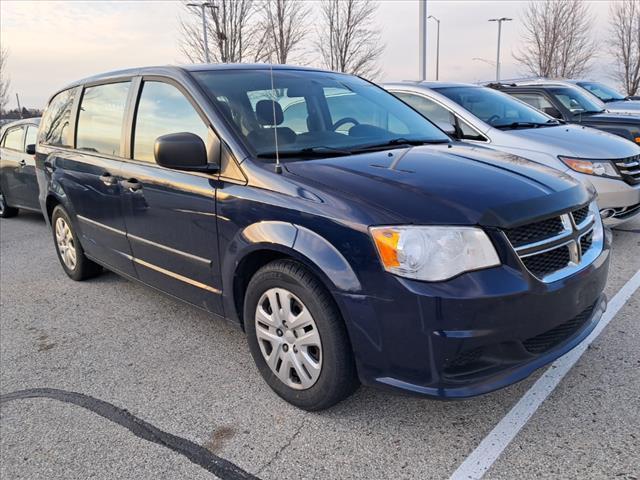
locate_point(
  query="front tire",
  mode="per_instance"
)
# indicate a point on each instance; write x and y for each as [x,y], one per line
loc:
[297,337]
[5,210]
[70,253]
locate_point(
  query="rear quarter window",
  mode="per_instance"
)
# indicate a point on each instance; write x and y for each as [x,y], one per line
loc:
[56,123]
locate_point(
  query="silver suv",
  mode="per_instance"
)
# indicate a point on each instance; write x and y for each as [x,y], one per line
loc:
[496,120]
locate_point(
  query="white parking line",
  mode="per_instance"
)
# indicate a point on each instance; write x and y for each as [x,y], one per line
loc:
[480,460]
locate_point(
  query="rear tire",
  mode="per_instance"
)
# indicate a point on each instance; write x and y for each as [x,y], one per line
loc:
[5,210]
[302,350]
[70,253]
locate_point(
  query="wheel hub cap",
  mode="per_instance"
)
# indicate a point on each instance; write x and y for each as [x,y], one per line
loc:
[65,244]
[288,338]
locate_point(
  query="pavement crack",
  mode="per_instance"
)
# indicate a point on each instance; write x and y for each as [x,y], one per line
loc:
[283,447]
[197,454]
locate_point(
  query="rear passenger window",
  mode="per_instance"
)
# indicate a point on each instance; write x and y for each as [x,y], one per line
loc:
[56,121]
[13,139]
[101,116]
[163,109]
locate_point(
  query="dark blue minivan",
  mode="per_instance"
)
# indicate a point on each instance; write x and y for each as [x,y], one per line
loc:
[351,239]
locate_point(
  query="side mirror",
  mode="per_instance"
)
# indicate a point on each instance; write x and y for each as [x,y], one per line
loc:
[181,151]
[553,111]
[31,149]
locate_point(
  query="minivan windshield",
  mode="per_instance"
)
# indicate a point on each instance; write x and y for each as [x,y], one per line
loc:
[577,101]
[313,114]
[496,108]
[604,93]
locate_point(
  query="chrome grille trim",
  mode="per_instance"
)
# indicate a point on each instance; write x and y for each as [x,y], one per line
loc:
[629,169]
[570,238]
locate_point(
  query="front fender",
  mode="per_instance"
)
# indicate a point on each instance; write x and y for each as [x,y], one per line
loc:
[292,240]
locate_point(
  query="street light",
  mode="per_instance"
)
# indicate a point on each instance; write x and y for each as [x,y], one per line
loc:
[204,5]
[437,47]
[499,20]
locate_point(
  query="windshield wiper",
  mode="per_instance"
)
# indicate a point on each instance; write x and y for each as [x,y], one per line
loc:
[319,151]
[514,125]
[399,142]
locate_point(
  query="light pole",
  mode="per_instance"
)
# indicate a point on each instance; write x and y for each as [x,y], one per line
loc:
[203,6]
[437,47]
[422,48]
[499,20]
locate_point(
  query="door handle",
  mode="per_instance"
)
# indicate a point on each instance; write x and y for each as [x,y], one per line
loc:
[48,165]
[132,184]
[108,179]
[23,163]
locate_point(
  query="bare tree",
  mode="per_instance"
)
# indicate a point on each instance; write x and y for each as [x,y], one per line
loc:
[230,37]
[347,38]
[283,26]
[558,38]
[4,79]
[624,44]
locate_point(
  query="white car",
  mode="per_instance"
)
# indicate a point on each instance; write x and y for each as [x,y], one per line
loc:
[496,120]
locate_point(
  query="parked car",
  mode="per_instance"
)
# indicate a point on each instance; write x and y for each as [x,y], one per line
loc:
[18,183]
[573,105]
[613,100]
[386,253]
[487,117]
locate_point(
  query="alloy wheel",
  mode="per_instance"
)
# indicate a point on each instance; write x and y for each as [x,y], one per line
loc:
[65,243]
[289,339]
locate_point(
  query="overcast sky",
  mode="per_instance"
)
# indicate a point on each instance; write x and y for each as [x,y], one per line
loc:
[54,43]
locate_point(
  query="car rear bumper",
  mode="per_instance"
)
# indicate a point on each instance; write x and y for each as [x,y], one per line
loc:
[474,334]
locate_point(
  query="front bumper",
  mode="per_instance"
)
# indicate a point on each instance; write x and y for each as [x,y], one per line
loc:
[473,334]
[617,195]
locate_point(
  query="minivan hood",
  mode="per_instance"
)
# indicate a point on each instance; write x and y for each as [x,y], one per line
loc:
[576,140]
[455,184]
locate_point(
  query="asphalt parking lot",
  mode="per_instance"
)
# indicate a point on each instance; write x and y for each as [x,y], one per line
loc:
[191,376]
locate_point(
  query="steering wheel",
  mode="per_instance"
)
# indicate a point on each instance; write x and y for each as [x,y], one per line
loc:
[344,121]
[492,118]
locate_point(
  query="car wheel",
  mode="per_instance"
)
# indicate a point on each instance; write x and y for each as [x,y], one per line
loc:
[297,337]
[5,210]
[70,252]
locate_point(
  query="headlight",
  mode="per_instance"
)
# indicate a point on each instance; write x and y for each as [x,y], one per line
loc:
[600,168]
[433,253]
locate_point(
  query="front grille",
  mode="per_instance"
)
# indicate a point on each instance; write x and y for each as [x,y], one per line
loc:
[549,339]
[629,169]
[534,232]
[556,244]
[585,242]
[580,215]
[627,212]
[545,263]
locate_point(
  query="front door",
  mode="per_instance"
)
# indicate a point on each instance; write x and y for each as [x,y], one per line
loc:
[170,215]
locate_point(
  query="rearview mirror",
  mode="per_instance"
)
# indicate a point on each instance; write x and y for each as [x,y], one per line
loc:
[31,149]
[182,151]
[553,111]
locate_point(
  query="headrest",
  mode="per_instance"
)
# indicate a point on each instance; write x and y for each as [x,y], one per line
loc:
[265,115]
